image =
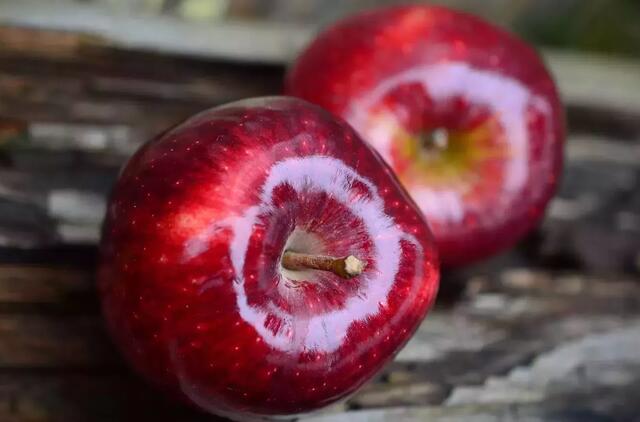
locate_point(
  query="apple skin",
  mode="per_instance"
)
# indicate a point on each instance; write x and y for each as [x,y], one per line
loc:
[397,73]
[190,278]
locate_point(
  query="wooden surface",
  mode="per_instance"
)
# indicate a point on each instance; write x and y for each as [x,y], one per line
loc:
[549,331]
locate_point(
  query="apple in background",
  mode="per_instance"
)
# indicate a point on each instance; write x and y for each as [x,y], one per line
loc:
[465,113]
[260,259]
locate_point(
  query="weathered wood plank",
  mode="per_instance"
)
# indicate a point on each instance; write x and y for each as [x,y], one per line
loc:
[516,344]
[592,378]
[108,102]
[447,346]
[414,393]
[49,196]
[43,285]
[73,396]
[601,82]
[250,42]
[540,317]
[588,362]
[588,80]
[54,342]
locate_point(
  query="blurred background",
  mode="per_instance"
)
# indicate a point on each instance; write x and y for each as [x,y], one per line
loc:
[547,331]
[589,25]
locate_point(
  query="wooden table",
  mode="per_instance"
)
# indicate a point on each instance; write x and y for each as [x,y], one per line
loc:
[549,331]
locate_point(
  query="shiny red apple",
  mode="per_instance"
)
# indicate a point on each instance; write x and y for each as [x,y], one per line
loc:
[465,113]
[260,259]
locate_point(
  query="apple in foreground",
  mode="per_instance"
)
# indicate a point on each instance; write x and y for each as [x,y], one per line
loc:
[260,259]
[466,115]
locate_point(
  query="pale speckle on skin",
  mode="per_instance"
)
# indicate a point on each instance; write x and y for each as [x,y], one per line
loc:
[334,177]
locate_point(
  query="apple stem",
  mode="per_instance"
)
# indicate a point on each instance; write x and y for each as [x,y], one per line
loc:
[346,267]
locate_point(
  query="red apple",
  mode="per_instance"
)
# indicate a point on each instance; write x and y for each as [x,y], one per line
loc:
[466,115]
[209,245]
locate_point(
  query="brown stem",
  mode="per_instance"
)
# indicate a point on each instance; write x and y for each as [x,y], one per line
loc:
[346,267]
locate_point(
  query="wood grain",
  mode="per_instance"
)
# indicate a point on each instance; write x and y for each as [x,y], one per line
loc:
[598,81]
[547,331]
